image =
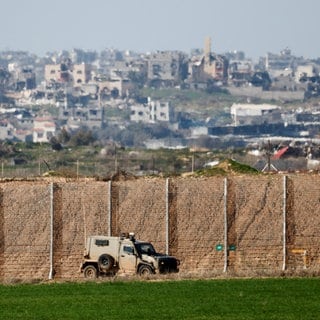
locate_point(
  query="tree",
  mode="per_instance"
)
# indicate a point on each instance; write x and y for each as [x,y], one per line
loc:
[82,137]
[138,78]
[64,136]
[261,79]
[55,144]
[7,149]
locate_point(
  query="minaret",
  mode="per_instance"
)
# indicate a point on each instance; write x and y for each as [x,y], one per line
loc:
[267,61]
[207,49]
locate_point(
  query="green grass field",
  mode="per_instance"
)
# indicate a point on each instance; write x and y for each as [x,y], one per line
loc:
[187,299]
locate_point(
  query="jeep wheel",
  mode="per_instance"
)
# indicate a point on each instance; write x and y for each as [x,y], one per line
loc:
[145,270]
[90,272]
[106,262]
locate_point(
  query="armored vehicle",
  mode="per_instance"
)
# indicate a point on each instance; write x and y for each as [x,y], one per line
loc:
[107,255]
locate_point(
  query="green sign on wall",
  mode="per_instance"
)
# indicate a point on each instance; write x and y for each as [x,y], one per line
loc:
[219,247]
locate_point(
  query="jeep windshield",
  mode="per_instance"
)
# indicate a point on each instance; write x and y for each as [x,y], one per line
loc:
[145,248]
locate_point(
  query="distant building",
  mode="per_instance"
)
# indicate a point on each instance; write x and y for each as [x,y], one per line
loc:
[115,87]
[151,112]
[79,56]
[255,114]
[215,66]
[76,74]
[44,129]
[197,132]
[26,79]
[240,72]
[81,74]
[305,72]
[19,77]
[283,64]
[54,72]
[74,118]
[167,66]
[6,130]
[209,66]
[282,61]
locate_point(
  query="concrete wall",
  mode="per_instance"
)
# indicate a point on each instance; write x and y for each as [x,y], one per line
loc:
[266,223]
[257,92]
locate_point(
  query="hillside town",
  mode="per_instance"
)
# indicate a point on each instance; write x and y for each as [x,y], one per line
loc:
[102,92]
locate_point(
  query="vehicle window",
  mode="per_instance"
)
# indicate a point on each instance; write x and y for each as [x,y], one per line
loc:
[128,249]
[102,242]
[146,248]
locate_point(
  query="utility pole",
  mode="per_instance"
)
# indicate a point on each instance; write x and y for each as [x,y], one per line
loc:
[269,156]
[77,169]
[153,164]
[192,163]
[115,159]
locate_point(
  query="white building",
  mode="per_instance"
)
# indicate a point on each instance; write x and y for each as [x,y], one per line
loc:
[255,114]
[305,71]
[151,112]
[6,130]
[44,129]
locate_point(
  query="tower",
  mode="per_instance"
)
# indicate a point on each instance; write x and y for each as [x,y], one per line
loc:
[207,49]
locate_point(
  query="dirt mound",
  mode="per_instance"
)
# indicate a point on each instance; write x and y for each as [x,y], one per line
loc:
[226,167]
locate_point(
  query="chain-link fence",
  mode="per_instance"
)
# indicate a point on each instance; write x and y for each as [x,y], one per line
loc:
[102,166]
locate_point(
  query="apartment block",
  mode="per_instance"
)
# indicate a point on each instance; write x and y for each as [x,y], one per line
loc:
[77,74]
[166,66]
[151,112]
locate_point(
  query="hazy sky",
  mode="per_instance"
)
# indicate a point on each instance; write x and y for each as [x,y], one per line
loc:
[253,26]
